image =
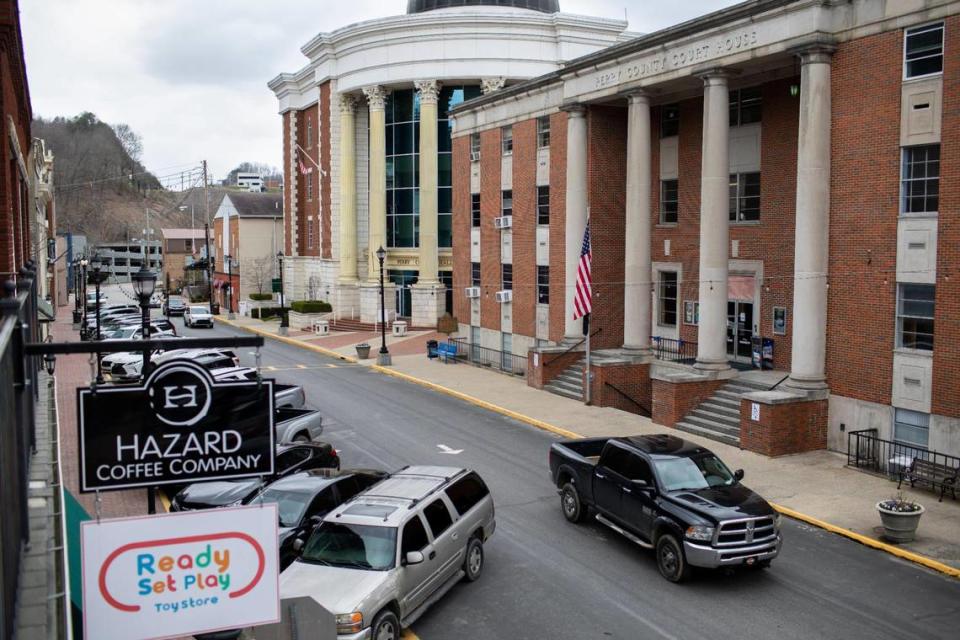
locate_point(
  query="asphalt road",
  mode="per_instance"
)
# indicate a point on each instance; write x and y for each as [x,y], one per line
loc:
[546,578]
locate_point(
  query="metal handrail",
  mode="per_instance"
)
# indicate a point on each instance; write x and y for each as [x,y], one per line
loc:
[570,348]
[868,452]
[644,410]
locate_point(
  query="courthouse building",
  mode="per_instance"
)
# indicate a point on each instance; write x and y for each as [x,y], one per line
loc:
[360,169]
[780,169]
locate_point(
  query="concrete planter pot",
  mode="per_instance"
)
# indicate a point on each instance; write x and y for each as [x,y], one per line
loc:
[899,526]
[363,351]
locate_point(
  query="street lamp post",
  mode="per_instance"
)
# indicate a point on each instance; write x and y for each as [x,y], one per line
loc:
[283,316]
[144,282]
[95,263]
[83,294]
[383,358]
[230,314]
[77,314]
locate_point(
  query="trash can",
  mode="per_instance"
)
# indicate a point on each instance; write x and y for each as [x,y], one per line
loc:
[431,349]
[363,351]
[216,309]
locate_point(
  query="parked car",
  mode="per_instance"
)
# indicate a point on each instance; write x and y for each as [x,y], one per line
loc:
[210,359]
[303,498]
[379,561]
[224,493]
[667,494]
[197,316]
[284,395]
[125,366]
[160,328]
[174,307]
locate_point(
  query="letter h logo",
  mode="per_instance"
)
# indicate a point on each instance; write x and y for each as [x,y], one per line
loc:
[186,399]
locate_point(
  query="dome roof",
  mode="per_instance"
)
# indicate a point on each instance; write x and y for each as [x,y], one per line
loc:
[543,6]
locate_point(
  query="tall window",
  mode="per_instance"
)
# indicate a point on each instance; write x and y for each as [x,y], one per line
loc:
[506,140]
[449,98]
[669,120]
[309,133]
[506,202]
[920,179]
[744,106]
[543,132]
[310,233]
[310,186]
[474,274]
[669,201]
[543,205]
[911,427]
[667,294]
[543,284]
[744,197]
[506,277]
[915,306]
[923,51]
[475,210]
[474,147]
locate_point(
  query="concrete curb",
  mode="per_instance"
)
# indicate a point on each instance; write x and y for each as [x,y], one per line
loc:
[285,339]
[929,563]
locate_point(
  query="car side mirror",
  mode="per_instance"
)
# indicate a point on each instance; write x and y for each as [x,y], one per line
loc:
[298,545]
[316,520]
[640,483]
[738,475]
[413,557]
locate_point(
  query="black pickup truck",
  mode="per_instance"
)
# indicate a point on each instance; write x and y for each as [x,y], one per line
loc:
[667,494]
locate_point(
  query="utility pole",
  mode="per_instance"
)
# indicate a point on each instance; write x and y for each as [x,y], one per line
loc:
[206,236]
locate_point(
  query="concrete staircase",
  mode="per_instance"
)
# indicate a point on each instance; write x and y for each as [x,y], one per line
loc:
[569,384]
[718,417]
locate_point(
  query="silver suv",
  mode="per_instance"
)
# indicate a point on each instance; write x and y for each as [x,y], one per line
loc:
[380,560]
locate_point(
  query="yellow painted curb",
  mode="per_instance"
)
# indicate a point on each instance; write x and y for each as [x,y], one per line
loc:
[870,542]
[164,500]
[285,339]
[408,634]
[546,426]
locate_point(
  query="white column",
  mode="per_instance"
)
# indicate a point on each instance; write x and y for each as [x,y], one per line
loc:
[429,91]
[812,223]
[576,213]
[714,223]
[636,288]
[377,236]
[348,191]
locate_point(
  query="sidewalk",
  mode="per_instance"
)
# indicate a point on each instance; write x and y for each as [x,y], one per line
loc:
[817,485]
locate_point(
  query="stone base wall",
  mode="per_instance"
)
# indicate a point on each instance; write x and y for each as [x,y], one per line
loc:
[428,305]
[672,400]
[544,366]
[632,379]
[783,427]
[370,302]
[306,320]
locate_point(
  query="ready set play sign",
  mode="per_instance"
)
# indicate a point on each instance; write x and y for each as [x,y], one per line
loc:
[180,574]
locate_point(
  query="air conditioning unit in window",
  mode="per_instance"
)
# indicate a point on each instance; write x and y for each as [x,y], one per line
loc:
[472,292]
[504,296]
[503,222]
[474,156]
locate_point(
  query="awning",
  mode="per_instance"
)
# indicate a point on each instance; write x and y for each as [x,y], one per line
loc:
[741,288]
[45,311]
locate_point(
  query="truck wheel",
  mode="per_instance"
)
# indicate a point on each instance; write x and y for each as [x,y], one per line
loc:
[301,437]
[385,626]
[573,509]
[473,560]
[670,559]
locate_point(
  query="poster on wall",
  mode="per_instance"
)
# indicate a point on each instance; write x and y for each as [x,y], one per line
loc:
[179,574]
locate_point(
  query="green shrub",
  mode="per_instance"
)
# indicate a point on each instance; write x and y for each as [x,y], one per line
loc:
[264,312]
[261,296]
[311,306]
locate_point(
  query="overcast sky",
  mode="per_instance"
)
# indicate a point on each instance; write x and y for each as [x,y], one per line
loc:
[190,75]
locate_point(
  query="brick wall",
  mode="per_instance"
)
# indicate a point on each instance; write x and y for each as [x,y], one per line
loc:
[782,429]
[946,353]
[461,227]
[558,217]
[606,176]
[15,106]
[864,188]
[525,228]
[632,381]
[544,367]
[323,130]
[671,401]
[309,156]
[490,208]
[285,120]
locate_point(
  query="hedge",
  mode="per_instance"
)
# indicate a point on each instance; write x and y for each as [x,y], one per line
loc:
[265,312]
[261,296]
[311,306]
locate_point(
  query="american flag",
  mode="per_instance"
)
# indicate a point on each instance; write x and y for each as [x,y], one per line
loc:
[583,300]
[304,169]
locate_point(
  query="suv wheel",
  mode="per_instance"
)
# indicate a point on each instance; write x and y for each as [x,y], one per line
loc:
[670,559]
[385,626]
[573,509]
[473,560]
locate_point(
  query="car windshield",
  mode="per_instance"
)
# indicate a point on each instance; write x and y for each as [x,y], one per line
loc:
[290,504]
[123,332]
[355,546]
[198,310]
[699,472]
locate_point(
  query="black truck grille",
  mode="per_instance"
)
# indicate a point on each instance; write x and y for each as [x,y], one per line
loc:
[749,531]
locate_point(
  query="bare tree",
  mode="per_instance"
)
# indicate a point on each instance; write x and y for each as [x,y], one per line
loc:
[260,270]
[130,140]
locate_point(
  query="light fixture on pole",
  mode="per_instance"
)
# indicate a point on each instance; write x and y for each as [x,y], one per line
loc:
[95,264]
[383,358]
[229,261]
[144,282]
[283,316]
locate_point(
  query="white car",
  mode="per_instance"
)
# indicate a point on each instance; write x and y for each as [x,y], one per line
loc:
[197,316]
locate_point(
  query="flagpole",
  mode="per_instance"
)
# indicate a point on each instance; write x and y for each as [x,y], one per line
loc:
[586,391]
[304,152]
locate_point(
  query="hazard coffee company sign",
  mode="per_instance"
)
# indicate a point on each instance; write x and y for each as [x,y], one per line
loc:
[179,426]
[180,574]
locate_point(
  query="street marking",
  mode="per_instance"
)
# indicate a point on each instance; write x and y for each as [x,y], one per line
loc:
[301,366]
[271,368]
[332,366]
[445,449]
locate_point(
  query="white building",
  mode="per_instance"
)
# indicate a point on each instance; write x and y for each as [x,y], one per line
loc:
[252,182]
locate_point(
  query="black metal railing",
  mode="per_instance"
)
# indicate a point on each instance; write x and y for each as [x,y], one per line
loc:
[869,452]
[486,357]
[18,396]
[572,347]
[673,350]
[642,408]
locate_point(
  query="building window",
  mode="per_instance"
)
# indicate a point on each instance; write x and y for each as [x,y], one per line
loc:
[310,233]
[475,210]
[667,294]
[309,133]
[474,147]
[923,51]
[911,427]
[543,205]
[543,132]
[506,202]
[915,304]
[474,274]
[506,277]
[669,201]
[669,120]
[543,284]
[506,140]
[744,106]
[745,197]
[691,312]
[920,179]
[309,187]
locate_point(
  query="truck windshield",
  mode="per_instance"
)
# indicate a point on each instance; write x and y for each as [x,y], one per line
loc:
[678,474]
[352,545]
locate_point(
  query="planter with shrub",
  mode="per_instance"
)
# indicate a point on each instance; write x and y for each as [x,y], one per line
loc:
[900,517]
[311,306]
[261,297]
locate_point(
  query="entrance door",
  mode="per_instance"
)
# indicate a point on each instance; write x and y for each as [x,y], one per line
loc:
[739,330]
[446,278]
[403,280]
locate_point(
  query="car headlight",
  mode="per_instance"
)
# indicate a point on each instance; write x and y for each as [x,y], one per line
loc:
[349,622]
[777,519]
[700,532]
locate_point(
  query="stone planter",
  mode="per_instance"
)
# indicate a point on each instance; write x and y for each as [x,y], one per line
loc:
[899,526]
[363,351]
